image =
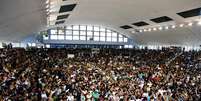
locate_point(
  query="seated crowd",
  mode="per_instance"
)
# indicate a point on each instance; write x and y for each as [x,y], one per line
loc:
[169,74]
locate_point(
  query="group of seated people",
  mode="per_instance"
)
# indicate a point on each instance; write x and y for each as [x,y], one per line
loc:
[170,74]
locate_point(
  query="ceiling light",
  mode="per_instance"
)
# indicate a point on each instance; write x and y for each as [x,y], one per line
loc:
[140,31]
[166,27]
[145,30]
[181,25]
[47,2]
[199,22]
[149,29]
[47,6]
[132,31]
[154,29]
[190,24]
[160,28]
[173,26]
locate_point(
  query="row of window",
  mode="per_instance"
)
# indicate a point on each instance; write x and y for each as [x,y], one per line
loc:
[89,33]
[88,38]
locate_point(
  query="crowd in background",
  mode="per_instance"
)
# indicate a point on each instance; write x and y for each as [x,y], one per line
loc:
[169,74]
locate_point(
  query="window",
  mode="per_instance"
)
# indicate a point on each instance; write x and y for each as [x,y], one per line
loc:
[102,29]
[60,31]
[69,27]
[114,34]
[109,39]
[89,28]
[121,39]
[69,37]
[69,32]
[109,34]
[53,37]
[75,27]
[82,32]
[120,36]
[114,39]
[89,38]
[96,38]
[125,39]
[60,37]
[96,33]
[75,37]
[83,28]
[53,31]
[102,38]
[96,29]
[75,33]
[45,37]
[109,31]
[102,33]
[89,33]
[82,37]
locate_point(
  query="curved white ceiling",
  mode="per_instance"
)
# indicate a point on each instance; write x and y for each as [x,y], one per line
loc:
[25,16]
[20,18]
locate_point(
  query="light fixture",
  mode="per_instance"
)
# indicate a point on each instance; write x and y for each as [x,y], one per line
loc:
[154,29]
[160,28]
[173,26]
[145,30]
[181,25]
[47,6]
[199,22]
[190,24]
[47,1]
[149,29]
[140,31]
[132,31]
[166,27]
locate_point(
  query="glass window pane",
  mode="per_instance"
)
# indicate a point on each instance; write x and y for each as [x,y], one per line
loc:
[102,33]
[75,33]
[90,28]
[96,38]
[69,32]
[114,34]
[82,32]
[82,37]
[89,38]
[120,36]
[45,37]
[83,27]
[89,33]
[69,37]
[96,33]
[75,27]
[121,39]
[109,31]
[109,34]
[109,39]
[60,31]
[53,37]
[96,28]
[75,37]
[102,29]
[53,31]
[60,37]
[125,39]
[114,39]
[69,27]
[102,38]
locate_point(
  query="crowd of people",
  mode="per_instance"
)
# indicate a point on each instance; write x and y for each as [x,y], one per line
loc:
[170,74]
